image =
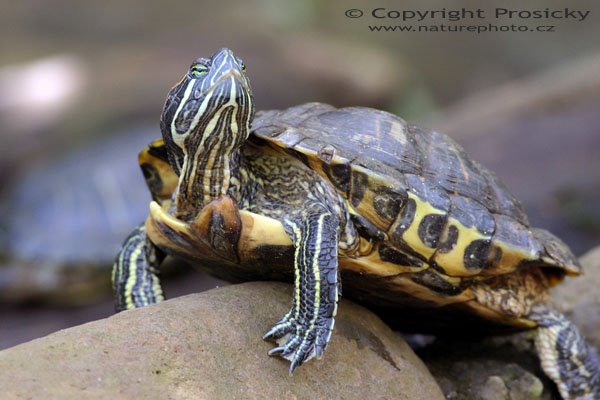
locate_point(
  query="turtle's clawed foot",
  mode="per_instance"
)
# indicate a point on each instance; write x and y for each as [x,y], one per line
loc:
[299,342]
[305,331]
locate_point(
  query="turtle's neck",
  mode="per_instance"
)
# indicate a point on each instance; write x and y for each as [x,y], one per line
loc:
[210,179]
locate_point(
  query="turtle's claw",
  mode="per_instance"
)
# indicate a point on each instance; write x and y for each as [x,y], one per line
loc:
[319,350]
[280,329]
[277,351]
[298,343]
[294,364]
[303,353]
[290,347]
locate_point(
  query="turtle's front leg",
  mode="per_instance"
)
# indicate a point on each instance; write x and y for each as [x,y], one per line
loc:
[566,358]
[306,329]
[134,278]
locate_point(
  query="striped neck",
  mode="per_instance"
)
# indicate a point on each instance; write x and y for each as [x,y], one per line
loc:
[208,180]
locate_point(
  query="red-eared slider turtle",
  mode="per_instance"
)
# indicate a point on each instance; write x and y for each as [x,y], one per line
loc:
[420,232]
[63,220]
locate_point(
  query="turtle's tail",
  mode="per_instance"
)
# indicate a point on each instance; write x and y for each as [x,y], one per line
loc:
[565,355]
[556,252]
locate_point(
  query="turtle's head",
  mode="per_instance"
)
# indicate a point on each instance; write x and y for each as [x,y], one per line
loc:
[208,113]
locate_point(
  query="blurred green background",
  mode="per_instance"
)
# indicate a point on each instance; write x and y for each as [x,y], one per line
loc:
[82,86]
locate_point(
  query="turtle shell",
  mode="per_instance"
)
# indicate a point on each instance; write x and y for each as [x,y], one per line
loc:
[437,229]
[416,185]
[448,223]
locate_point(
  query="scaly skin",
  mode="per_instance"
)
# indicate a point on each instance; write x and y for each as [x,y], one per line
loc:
[566,357]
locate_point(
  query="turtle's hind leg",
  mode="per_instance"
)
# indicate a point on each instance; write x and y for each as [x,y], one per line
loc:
[566,357]
[134,275]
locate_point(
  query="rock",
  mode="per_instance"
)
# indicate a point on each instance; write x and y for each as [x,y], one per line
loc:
[494,388]
[209,345]
[490,369]
[579,298]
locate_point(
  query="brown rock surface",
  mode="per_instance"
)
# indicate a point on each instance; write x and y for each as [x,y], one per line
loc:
[489,369]
[208,346]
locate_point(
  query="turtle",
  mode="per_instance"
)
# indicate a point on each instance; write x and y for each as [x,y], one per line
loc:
[325,197]
[63,219]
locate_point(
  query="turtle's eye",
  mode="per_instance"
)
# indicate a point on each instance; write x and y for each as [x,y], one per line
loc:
[198,70]
[241,64]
